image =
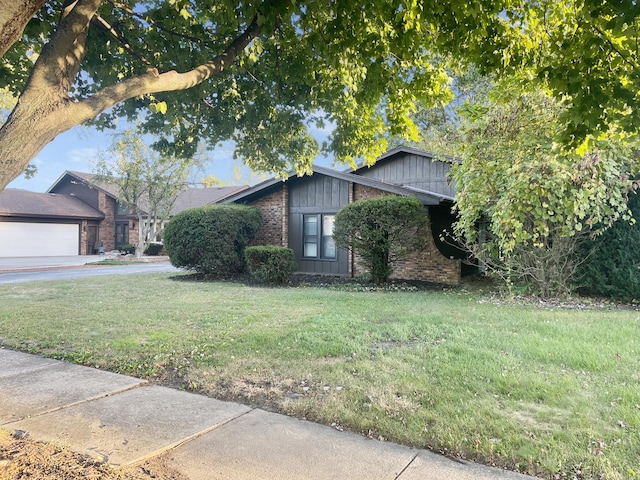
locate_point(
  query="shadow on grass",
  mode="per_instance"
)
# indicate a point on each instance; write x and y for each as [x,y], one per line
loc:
[323,281]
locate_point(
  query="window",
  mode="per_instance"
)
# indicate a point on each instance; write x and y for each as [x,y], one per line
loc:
[122,209]
[317,231]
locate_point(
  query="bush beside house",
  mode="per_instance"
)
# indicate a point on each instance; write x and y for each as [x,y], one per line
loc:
[270,264]
[381,231]
[211,239]
[611,264]
[153,249]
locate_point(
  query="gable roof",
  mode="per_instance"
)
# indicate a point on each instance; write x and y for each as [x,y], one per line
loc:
[266,187]
[196,197]
[403,150]
[23,203]
[187,198]
[82,177]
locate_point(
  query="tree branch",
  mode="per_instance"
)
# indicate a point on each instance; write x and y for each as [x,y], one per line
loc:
[153,82]
[68,44]
[613,47]
[102,23]
[14,16]
[128,10]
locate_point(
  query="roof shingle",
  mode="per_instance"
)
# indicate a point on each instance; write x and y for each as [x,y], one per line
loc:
[18,203]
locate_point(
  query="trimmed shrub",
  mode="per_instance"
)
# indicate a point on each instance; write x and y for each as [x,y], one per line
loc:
[211,239]
[611,266]
[153,249]
[270,264]
[127,249]
[381,230]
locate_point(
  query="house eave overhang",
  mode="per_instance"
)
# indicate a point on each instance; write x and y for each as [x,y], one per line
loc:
[426,197]
[266,187]
[406,150]
[442,198]
[82,180]
[257,191]
[44,216]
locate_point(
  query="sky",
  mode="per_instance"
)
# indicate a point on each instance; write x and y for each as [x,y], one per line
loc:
[78,148]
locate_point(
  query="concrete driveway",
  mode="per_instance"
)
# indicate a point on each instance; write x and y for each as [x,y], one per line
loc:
[29,269]
[26,263]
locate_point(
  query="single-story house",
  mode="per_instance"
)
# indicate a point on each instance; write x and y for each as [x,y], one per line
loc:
[76,216]
[299,213]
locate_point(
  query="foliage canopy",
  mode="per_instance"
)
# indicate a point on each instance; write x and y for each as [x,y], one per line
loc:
[531,200]
[260,72]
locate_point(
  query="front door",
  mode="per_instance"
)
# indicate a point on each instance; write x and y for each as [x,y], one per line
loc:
[122,234]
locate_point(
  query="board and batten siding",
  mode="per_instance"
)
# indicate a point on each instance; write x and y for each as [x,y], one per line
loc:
[413,170]
[318,194]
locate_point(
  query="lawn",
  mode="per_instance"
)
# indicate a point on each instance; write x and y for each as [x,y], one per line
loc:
[549,392]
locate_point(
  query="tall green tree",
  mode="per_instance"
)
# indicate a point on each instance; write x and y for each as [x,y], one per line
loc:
[254,72]
[258,72]
[441,125]
[147,183]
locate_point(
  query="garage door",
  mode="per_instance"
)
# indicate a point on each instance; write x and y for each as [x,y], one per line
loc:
[38,239]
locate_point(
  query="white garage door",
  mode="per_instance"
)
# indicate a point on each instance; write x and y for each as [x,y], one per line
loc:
[38,239]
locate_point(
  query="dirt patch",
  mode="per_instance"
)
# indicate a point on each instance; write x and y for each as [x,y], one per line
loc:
[22,458]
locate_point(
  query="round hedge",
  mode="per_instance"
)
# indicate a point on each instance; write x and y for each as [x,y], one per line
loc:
[211,239]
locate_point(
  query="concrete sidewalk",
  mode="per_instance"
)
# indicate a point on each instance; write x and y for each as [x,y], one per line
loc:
[125,420]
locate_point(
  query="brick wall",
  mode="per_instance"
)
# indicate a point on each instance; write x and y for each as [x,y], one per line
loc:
[106,230]
[83,238]
[428,265]
[362,192]
[275,218]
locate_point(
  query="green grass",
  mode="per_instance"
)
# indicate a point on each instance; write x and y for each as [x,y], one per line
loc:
[108,261]
[550,392]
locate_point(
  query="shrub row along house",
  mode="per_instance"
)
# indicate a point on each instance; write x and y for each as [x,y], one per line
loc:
[300,212]
[75,216]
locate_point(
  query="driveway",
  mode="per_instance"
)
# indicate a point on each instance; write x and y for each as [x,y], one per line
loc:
[29,269]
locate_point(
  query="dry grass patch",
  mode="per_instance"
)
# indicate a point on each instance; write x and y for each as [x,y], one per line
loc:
[546,391]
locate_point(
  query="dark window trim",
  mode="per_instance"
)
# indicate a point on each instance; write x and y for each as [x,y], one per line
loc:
[319,238]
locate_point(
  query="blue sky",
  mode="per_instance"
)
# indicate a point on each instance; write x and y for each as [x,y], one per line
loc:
[79,147]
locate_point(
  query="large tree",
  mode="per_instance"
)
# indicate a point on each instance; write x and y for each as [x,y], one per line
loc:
[254,72]
[259,72]
[532,201]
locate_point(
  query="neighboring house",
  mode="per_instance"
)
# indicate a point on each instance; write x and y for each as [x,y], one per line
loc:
[76,217]
[299,213]
[44,224]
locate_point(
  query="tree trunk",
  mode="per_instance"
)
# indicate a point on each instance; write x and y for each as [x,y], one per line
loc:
[14,16]
[44,109]
[35,121]
[141,235]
